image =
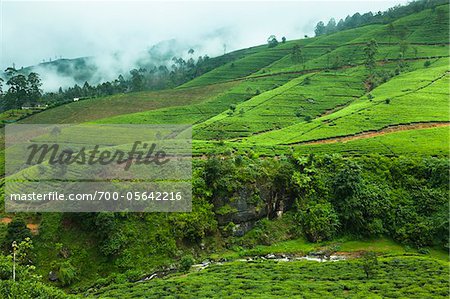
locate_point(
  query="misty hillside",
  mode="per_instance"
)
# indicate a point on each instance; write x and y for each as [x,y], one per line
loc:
[267,97]
[320,169]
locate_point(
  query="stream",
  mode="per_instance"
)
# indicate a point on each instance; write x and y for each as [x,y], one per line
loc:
[269,257]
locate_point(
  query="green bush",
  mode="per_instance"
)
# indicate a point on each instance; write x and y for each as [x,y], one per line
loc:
[318,220]
[67,273]
[186,263]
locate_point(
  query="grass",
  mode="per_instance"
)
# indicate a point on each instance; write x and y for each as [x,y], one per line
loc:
[97,108]
[305,96]
[13,115]
[423,97]
[199,112]
[430,141]
[382,246]
[244,66]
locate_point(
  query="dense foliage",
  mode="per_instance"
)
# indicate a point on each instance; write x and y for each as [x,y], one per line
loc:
[405,198]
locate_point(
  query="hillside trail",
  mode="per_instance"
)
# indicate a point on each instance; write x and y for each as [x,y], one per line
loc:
[375,133]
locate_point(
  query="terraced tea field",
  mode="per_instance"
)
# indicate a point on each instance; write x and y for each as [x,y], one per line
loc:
[396,277]
[262,98]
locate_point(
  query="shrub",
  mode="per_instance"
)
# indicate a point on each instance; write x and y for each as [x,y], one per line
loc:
[67,273]
[427,63]
[369,263]
[186,262]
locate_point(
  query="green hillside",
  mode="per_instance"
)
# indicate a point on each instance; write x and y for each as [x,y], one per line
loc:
[310,148]
[276,100]
[273,99]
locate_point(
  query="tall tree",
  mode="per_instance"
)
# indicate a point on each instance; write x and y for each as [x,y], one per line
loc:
[320,29]
[137,80]
[17,91]
[331,26]
[391,31]
[297,55]
[272,41]
[371,51]
[34,90]
[340,25]
[1,87]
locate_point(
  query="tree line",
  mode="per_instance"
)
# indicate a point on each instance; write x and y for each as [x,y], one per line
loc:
[25,89]
[22,89]
[385,17]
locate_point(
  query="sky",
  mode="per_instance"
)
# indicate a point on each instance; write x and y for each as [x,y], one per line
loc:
[35,30]
[117,34]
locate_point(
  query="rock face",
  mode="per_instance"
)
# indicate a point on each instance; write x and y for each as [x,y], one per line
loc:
[245,210]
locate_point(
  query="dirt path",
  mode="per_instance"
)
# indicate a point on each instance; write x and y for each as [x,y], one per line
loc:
[374,133]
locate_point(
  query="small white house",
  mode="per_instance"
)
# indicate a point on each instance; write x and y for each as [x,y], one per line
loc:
[76,99]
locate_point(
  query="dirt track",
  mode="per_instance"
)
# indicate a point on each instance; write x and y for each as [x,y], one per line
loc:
[372,133]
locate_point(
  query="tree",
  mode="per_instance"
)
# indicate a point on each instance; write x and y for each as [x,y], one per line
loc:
[404,45]
[122,84]
[391,31]
[337,61]
[369,263]
[186,263]
[331,26]
[320,29]
[319,221]
[191,51]
[297,55]
[17,231]
[272,41]
[87,89]
[67,273]
[371,51]
[24,251]
[283,39]
[340,25]
[17,92]
[137,80]
[34,90]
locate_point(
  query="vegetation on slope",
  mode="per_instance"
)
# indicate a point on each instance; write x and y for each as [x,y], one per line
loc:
[301,101]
